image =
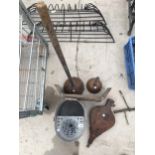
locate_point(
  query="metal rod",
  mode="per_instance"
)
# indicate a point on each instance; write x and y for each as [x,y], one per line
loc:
[36,77]
[121,93]
[123,110]
[73,17]
[25,30]
[84,41]
[126,118]
[66,13]
[47,22]
[76,37]
[30,60]
[21,31]
[44,63]
[86,32]
[75,11]
[75,20]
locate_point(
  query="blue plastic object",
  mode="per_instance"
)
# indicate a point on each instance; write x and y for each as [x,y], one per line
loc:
[129,51]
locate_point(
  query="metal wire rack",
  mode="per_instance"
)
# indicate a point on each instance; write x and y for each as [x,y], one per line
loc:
[131,10]
[33,53]
[85,24]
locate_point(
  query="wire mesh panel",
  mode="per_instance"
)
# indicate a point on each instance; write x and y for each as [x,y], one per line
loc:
[85,24]
[32,67]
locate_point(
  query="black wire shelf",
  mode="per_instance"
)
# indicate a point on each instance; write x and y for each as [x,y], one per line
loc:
[72,24]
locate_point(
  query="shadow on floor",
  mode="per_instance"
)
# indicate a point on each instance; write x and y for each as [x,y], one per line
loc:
[51,99]
[63,148]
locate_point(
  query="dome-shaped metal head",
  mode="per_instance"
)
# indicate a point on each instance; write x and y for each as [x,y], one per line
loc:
[78,86]
[94,85]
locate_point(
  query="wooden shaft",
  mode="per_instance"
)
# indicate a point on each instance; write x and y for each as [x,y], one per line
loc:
[85,98]
[48,24]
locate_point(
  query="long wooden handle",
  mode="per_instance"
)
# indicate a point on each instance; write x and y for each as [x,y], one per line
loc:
[48,24]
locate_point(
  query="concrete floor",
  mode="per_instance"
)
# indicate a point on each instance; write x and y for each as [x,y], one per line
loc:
[37,134]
